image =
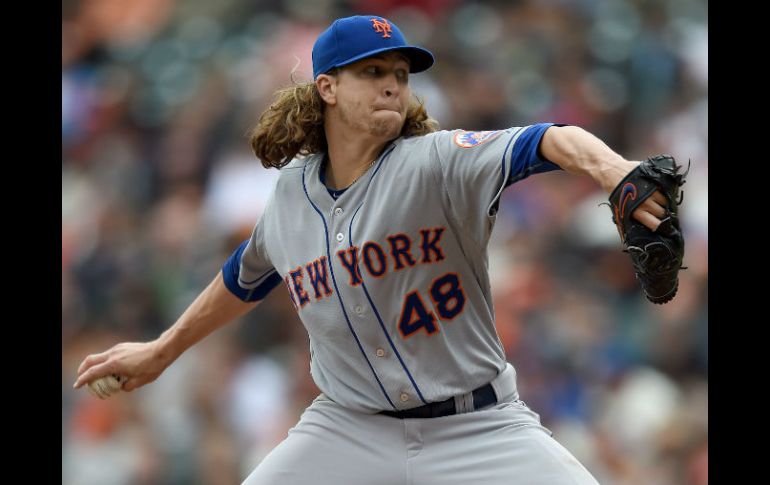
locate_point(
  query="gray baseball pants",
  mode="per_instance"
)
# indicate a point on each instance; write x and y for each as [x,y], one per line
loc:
[502,444]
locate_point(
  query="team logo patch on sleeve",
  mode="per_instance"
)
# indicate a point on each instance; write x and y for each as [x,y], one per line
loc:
[468,139]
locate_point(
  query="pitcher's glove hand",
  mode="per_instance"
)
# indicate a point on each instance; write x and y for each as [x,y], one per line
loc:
[657,256]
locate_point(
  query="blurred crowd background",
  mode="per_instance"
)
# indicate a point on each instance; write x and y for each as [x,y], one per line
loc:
[159,186]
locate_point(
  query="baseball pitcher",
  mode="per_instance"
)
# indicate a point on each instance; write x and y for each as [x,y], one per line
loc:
[378,229]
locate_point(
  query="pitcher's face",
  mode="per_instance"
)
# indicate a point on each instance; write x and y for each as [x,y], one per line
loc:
[373,94]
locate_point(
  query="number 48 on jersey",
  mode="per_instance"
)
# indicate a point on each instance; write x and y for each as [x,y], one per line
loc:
[448,299]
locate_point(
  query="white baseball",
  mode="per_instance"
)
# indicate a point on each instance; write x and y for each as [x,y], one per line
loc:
[106,386]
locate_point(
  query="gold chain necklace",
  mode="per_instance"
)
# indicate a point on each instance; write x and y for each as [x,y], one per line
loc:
[339,191]
[362,173]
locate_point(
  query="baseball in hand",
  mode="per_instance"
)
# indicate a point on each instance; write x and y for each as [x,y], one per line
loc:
[106,386]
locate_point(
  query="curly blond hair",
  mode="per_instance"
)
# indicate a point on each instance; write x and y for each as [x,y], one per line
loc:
[294,125]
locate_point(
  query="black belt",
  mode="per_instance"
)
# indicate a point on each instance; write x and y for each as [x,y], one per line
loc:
[482,397]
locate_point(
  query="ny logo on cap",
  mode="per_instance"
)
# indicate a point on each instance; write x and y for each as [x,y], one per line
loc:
[381,26]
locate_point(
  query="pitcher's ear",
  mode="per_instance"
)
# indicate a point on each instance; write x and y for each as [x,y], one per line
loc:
[327,88]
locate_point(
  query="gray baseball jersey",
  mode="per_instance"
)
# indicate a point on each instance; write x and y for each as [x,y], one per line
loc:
[391,278]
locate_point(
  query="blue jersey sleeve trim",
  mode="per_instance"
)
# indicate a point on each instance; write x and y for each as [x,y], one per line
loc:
[231,270]
[525,156]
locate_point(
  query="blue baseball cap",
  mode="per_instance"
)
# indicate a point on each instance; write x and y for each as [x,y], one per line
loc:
[351,39]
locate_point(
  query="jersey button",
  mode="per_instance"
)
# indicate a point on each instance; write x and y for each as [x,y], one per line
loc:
[340,237]
[338,211]
[404,397]
[359,309]
[380,353]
